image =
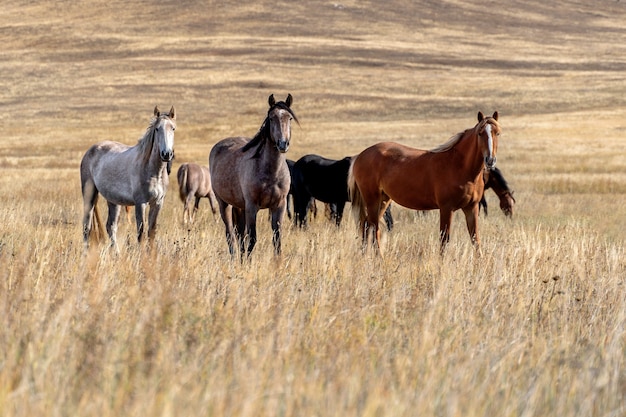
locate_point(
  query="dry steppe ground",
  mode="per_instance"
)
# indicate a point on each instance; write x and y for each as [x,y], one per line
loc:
[534,326]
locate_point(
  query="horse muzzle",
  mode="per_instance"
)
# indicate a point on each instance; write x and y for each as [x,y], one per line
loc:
[282,145]
[167,156]
[490,162]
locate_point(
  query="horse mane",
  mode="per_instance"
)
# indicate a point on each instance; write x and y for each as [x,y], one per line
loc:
[459,136]
[497,174]
[258,140]
[450,143]
[147,140]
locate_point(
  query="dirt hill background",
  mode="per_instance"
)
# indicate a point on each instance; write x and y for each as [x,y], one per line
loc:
[534,326]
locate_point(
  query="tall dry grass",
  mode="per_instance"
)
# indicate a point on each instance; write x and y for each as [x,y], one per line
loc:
[535,325]
[532,326]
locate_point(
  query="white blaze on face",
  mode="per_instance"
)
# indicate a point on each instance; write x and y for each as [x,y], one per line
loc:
[489,140]
[169,137]
[166,139]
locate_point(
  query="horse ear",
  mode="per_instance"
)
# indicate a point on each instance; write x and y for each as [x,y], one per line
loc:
[157,113]
[271,100]
[495,115]
[173,113]
[289,100]
[481,116]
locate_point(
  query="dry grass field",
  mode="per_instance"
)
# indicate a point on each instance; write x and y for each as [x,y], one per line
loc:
[533,327]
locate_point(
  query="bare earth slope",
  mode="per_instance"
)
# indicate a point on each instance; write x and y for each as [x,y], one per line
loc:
[533,326]
[74,73]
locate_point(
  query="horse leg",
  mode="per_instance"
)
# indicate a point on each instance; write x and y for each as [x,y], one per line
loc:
[140,214]
[301,201]
[239,219]
[250,234]
[445,220]
[277,219]
[372,220]
[471,218]
[289,202]
[114,215]
[212,202]
[155,208]
[483,203]
[187,216]
[226,212]
[195,208]
[384,207]
[388,218]
[331,211]
[90,198]
[339,207]
[313,207]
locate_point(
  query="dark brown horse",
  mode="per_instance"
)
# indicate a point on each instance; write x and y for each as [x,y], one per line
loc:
[128,176]
[252,174]
[194,183]
[447,178]
[495,180]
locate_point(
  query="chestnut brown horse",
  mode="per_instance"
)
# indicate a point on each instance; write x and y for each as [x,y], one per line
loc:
[194,183]
[448,178]
[128,176]
[252,174]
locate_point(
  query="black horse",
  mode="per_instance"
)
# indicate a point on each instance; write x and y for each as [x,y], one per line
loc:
[495,180]
[311,206]
[318,178]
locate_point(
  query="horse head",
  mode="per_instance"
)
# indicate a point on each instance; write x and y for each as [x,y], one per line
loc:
[507,203]
[164,128]
[488,131]
[279,117]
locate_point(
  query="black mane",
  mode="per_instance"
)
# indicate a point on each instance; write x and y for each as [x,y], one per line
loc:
[499,178]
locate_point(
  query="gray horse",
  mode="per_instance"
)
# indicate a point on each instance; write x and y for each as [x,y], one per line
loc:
[128,176]
[252,174]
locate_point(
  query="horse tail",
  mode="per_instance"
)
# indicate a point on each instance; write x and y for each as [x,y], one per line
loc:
[182,182]
[358,205]
[97,228]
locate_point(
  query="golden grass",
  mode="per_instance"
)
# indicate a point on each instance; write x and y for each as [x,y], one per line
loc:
[532,326]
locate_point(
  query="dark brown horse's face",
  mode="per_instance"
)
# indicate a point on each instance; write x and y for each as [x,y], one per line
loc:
[164,133]
[280,123]
[488,135]
[506,204]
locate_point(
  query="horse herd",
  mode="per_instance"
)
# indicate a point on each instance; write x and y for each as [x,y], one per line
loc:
[246,175]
